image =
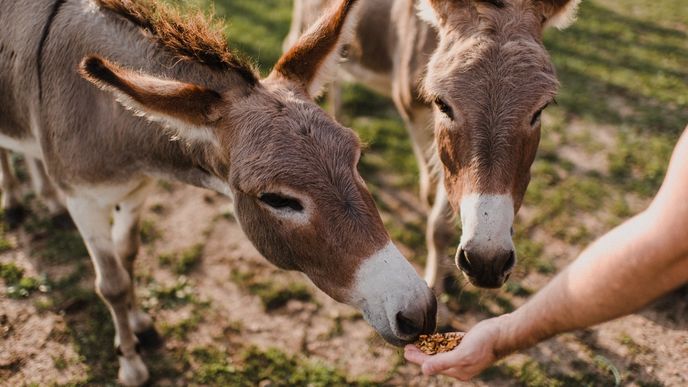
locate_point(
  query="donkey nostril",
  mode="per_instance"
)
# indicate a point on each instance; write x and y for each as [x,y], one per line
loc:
[407,326]
[464,263]
[510,262]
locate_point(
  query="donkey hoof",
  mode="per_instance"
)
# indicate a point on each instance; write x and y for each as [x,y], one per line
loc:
[149,338]
[132,371]
[14,216]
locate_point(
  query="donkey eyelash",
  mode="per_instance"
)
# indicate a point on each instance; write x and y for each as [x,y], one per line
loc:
[444,108]
[537,116]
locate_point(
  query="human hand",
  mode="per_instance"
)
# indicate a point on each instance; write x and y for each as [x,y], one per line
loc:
[477,351]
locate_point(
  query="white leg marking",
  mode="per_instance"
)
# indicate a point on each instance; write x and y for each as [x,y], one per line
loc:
[125,235]
[10,193]
[438,236]
[112,281]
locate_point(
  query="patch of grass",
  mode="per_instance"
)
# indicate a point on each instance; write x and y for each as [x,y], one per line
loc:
[54,245]
[19,286]
[10,273]
[531,373]
[183,262]
[271,366]
[639,164]
[411,235]
[158,208]
[605,364]
[530,255]
[517,289]
[169,296]
[633,348]
[273,295]
[5,244]
[276,296]
[92,331]
[388,150]
[189,259]
[181,329]
[63,247]
[59,362]
[149,232]
[24,288]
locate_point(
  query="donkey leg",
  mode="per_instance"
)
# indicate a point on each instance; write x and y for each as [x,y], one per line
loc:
[44,188]
[440,231]
[334,99]
[112,283]
[126,238]
[418,122]
[11,204]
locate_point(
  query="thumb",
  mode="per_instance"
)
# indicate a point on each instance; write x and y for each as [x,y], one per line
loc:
[439,363]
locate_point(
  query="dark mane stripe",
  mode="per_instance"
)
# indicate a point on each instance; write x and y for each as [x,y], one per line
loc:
[192,37]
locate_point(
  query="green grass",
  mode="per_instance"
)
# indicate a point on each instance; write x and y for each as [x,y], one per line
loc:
[18,285]
[173,295]
[183,262]
[270,366]
[273,295]
[148,231]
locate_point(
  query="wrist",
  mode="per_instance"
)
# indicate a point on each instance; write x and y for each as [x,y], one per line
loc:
[516,332]
[507,338]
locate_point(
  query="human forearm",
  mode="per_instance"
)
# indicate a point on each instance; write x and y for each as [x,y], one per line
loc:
[618,274]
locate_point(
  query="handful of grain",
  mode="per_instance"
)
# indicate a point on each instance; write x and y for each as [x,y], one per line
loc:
[439,342]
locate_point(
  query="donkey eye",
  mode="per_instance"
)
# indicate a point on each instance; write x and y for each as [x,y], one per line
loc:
[536,118]
[444,108]
[280,202]
[537,115]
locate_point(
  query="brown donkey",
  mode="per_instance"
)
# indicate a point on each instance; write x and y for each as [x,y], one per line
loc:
[483,66]
[209,121]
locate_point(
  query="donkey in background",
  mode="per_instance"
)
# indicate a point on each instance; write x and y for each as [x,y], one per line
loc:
[209,121]
[479,70]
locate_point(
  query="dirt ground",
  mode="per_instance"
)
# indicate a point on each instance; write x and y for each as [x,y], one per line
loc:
[40,336]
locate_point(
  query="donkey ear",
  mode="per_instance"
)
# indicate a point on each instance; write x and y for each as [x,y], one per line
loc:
[438,12]
[311,61]
[188,109]
[435,12]
[558,13]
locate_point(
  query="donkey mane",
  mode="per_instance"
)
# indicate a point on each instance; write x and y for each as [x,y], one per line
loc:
[195,37]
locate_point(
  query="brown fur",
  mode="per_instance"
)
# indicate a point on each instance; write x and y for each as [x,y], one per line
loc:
[192,37]
[490,67]
[490,145]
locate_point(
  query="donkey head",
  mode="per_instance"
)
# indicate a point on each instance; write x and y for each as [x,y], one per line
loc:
[292,172]
[490,79]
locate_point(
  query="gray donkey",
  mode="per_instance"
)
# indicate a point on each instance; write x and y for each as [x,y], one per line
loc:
[202,116]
